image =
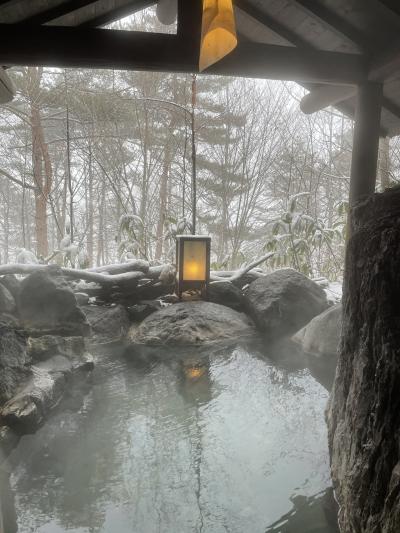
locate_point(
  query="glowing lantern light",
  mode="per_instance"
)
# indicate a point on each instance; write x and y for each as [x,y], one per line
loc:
[218,32]
[193,262]
[195,372]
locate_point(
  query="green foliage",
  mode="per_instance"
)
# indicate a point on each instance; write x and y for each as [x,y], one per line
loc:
[129,237]
[305,243]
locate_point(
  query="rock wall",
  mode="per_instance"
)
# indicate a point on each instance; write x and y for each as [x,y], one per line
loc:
[364,412]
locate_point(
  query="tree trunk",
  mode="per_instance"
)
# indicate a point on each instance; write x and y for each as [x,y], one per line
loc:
[163,200]
[363,415]
[42,168]
[90,235]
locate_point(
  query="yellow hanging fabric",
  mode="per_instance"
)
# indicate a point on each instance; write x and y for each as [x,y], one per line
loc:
[218,32]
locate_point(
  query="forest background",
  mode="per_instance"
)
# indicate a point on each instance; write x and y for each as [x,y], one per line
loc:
[97,165]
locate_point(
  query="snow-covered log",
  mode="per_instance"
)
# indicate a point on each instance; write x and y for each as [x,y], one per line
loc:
[120,268]
[135,278]
[74,273]
[237,274]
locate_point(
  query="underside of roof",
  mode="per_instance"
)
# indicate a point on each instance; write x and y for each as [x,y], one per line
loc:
[329,46]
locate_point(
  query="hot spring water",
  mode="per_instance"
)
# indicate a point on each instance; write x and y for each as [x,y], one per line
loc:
[226,443]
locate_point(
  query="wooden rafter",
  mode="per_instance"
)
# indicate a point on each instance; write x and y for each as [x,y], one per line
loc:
[392,5]
[272,24]
[335,22]
[57,11]
[117,13]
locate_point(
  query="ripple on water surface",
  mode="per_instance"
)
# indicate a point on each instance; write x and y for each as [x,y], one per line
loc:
[228,442]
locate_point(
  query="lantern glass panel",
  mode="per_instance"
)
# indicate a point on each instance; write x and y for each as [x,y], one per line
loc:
[194,260]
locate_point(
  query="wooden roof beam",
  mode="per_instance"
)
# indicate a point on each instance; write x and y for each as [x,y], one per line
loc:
[381,69]
[259,60]
[97,48]
[325,96]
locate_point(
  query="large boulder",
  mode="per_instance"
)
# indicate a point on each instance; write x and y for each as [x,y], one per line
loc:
[319,340]
[47,303]
[363,415]
[13,362]
[7,302]
[192,323]
[108,323]
[225,293]
[142,310]
[10,282]
[283,302]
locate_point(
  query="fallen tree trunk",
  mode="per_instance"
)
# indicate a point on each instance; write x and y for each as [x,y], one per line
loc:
[136,278]
[237,274]
[74,273]
[121,268]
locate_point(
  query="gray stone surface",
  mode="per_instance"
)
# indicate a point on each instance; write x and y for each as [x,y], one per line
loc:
[142,310]
[192,323]
[14,362]
[46,302]
[319,340]
[82,298]
[226,293]
[7,302]
[283,302]
[42,348]
[108,323]
[10,282]
[363,415]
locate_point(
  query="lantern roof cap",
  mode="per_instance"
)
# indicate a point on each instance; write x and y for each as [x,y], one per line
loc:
[194,237]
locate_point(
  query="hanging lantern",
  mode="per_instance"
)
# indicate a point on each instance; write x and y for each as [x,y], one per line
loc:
[218,32]
[193,263]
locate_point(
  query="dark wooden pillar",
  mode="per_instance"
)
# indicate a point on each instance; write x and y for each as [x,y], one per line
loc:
[366,141]
[189,29]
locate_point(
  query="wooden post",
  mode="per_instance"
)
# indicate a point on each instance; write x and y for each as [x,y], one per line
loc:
[366,141]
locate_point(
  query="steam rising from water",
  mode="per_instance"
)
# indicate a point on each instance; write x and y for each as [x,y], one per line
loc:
[214,444]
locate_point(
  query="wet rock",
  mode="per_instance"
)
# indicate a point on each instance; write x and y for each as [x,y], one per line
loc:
[142,310]
[28,409]
[8,517]
[47,305]
[319,340]
[7,302]
[192,323]
[10,321]
[283,302]
[226,293]
[13,362]
[363,415]
[248,278]
[42,348]
[108,323]
[11,283]
[82,298]
[8,441]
